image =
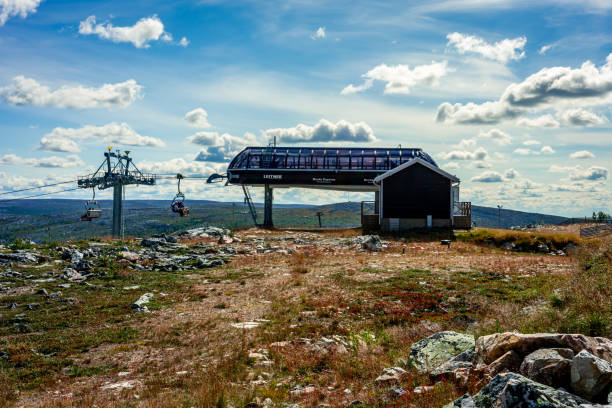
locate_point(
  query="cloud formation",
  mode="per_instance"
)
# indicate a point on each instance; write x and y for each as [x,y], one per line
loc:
[497,136]
[64,139]
[581,117]
[21,8]
[220,148]
[502,51]
[400,79]
[544,121]
[28,91]
[544,89]
[582,154]
[140,34]
[177,165]
[511,174]
[478,154]
[197,118]
[593,173]
[319,34]
[488,177]
[49,162]
[323,131]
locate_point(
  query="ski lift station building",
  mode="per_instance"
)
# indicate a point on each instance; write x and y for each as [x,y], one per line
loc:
[410,190]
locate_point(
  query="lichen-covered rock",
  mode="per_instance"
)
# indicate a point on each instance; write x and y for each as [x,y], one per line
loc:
[463,361]
[514,390]
[590,375]
[430,353]
[549,366]
[526,393]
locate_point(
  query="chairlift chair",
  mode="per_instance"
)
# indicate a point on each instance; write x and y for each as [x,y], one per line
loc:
[178,202]
[92,209]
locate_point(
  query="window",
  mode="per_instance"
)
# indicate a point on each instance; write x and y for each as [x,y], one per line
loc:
[254,161]
[305,161]
[292,161]
[331,161]
[344,162]
[356,161]
[368,162]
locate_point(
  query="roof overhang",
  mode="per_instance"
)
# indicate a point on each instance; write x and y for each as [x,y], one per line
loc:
[416,160]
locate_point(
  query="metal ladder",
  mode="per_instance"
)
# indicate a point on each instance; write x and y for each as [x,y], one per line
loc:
[249,202]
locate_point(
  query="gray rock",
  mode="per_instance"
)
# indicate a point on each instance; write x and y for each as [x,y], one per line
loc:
[153,242]
[508,246]
[464,401]
[369,242]
[526,393]
[21,257]
[463,360]
[139,305]
[391,375]
[549,366]
[514,390]
[72,275]
[396,392]
[590,375]
[430,353]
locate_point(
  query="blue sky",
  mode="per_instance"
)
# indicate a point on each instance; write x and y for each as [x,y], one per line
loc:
[513,99]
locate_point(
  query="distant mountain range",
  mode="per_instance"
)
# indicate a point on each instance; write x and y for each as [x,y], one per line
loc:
[59,219]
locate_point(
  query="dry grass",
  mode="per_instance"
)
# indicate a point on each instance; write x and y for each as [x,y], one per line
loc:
[186,353]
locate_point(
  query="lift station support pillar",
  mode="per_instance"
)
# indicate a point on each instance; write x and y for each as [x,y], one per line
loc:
[268,200]
[117,210]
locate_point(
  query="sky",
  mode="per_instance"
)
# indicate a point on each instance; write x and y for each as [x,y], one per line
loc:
[513,97]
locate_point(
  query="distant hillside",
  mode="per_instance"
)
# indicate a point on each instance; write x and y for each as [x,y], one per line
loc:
[59,219]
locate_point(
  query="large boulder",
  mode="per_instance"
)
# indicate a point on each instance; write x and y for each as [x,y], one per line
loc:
[369,242]
[491,347]
[460,361]
[513,390]
[509,361]
[590,375]
[430,353]
[549,366]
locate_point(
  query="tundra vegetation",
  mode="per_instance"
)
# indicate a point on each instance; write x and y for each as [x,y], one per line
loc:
[276,318]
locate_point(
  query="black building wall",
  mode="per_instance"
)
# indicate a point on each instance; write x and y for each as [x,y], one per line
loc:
[416,192]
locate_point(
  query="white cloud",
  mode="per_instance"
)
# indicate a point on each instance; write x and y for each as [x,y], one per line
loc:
[488,177]
[497,136]
[50,162]
[178,165]
[544,121]
[547,150]
[320,33]
[119,133]
[547,88]
[478,154]
[581,117]
[58,144]
[503,51]
[531,143]
[451,166]
[351,89]
[323,131]
[27,91]
[140,34]
[593,173]
[511,174]
[184,42]
[481,165]
[562,169]
[582,154]
[220,148]
[544,49]
[400,79]
[197,118]
[466,144]
[12,8]
[525,152]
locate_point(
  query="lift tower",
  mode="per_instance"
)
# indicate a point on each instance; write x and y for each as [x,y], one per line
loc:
[115,172]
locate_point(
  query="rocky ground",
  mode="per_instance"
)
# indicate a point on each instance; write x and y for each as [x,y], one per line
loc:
[285,318]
